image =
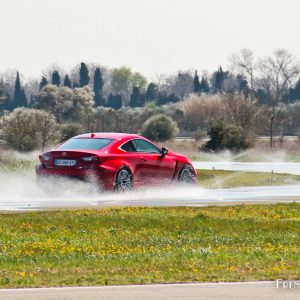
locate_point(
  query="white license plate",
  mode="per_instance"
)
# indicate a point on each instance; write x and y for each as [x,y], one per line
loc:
[65,162]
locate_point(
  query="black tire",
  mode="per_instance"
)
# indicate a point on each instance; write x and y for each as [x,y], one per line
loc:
[187,175]
[123,181]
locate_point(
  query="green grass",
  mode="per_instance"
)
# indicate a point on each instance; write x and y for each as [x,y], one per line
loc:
[230,179]
[150,245]
[251,155]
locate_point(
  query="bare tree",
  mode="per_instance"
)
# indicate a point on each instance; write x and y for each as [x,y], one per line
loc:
[31,87]
[242,113]
[199,110]
[48,129]
[277,73]
[244,63]
[181,84]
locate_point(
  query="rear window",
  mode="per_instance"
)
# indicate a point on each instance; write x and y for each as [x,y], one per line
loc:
[85,143]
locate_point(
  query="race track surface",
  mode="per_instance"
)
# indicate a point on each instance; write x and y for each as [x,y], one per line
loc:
[167,196]
[19,192]
[263,290]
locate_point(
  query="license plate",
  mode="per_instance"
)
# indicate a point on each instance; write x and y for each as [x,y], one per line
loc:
[65,162]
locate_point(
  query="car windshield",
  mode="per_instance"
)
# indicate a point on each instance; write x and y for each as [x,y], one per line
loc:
[85,143]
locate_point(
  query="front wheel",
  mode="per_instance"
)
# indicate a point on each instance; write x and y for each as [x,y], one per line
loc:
[187,175]
[123,182]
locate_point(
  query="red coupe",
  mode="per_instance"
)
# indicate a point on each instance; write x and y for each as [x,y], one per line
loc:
[117,161]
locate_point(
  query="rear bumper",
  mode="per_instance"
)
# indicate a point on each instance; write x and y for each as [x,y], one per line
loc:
[102,177]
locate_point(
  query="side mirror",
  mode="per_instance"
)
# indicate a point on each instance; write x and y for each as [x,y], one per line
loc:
[164,151]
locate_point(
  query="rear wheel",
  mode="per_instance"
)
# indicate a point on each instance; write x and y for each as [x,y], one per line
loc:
[186,175]
[123,182]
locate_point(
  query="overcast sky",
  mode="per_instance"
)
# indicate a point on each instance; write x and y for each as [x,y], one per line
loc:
[150,36]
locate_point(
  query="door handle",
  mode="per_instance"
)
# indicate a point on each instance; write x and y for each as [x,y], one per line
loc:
[143,158]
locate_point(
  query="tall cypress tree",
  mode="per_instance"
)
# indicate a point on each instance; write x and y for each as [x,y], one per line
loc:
[135,97]
[197,86]
[17,92]
[19,99]
[152,92]
[67,81]
[204,86]
[84,77]
[55,78]
[44,81]
[219,79]
[114,101]
[98,88]
[75,85]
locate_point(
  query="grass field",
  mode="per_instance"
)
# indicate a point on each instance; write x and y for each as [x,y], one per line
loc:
[230,179]
[150,245]
[17,162]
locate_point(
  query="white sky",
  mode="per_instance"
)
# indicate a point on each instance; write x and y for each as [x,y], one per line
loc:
[152,37]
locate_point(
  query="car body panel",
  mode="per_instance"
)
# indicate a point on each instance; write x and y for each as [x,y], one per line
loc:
[104,164]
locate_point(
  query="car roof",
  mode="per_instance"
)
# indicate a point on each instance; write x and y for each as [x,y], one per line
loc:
[109,135]
[119,138]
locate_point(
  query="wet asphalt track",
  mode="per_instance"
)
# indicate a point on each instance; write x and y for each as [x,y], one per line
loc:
[158,197]
[30,198]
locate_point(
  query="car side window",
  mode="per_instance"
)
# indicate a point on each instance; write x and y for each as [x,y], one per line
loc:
[128,147]
[144,146]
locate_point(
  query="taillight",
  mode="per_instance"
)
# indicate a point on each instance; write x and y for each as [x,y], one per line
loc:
[44,158]
[90,159]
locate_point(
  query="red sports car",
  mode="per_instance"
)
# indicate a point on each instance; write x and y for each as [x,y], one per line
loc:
[117,161]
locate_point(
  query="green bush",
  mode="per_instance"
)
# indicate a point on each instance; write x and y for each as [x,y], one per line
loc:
[199,134]
[223,136]
[27,129]
[160,128]
[69,130]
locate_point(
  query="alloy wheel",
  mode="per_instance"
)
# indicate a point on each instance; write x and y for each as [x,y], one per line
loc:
[123,181]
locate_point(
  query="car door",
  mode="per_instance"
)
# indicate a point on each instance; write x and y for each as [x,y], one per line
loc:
[135,161]
[153,167]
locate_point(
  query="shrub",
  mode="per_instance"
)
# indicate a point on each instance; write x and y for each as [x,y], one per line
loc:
[200,110]
[224,136]
[160,128]
[27,129]
[69,130]
[199,134]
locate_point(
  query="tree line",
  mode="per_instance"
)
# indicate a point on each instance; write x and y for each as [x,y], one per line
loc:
[255,96]
[123,87]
